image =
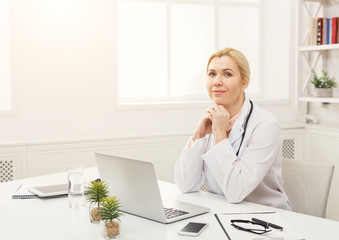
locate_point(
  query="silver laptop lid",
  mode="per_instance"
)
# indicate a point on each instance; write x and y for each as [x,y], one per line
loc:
[141,198]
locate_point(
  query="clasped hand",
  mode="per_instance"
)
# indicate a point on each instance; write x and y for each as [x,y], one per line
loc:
[216,121]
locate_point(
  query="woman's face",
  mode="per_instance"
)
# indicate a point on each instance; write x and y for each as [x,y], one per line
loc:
[224,83]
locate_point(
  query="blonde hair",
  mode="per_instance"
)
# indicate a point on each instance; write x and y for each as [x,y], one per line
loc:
[239,59]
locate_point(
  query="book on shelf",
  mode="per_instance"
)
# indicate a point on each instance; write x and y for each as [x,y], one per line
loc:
[312,31]
[329,31]
[334,30]
[323,31]
[319,31]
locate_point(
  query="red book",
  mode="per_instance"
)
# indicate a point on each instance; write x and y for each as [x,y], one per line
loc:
[319,31]
[334,30]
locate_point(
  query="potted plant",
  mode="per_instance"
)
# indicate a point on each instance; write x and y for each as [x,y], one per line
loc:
[97,190]
[323,86]
[110,217]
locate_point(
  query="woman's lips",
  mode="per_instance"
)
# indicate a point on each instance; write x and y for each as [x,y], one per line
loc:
[218,92]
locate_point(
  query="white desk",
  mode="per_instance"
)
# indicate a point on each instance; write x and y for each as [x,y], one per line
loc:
[53,219]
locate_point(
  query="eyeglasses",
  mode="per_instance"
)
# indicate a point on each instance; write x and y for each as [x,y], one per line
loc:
[250,226]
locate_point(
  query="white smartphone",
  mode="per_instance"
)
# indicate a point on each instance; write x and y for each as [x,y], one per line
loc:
[193,229]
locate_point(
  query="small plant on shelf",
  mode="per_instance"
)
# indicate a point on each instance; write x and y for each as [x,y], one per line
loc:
[323,86]
[110,214]
[97,190]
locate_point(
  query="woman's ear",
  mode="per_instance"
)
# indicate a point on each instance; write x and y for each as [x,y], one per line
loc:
[244,84]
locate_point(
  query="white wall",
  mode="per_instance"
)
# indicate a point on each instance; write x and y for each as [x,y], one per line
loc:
[62,63]
[63,74]
[5,98]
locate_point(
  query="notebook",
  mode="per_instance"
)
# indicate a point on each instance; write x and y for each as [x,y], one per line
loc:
[134,182]
[23,193]
[232,233]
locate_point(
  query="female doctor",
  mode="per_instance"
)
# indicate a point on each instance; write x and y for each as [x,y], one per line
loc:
[236,147]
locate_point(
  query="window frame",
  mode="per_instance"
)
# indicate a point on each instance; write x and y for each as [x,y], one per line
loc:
[204,101]
[191,99]
[6,106]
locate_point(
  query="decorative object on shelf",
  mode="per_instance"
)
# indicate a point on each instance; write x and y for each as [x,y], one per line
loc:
[323,86]
[110,217]
[97,190]
[323,31]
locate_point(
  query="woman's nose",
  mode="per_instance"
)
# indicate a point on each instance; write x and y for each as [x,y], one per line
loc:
[217,80]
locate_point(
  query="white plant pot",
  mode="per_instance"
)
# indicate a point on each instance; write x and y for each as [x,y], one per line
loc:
[322,92]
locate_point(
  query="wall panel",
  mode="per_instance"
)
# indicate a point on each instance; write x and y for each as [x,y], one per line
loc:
[161,151]
[12,163]
[322,145]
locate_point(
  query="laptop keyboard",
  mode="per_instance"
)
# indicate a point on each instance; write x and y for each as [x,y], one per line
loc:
[172,212]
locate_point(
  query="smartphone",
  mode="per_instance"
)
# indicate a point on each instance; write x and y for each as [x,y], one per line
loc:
[193,229]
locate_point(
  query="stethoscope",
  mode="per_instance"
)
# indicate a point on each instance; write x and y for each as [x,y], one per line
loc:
[243,134]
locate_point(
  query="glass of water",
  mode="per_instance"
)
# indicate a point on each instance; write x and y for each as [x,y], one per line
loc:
[76,189]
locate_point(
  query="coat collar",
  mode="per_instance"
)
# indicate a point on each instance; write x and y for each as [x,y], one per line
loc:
[238,127]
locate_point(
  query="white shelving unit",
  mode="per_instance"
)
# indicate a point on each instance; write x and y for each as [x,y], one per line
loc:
[318,99]
[319,47]
[308,57]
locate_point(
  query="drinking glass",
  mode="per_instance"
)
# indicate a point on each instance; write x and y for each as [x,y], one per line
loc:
[76,190]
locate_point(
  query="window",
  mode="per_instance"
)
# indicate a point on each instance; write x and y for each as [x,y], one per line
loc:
[163,47]
[5,87]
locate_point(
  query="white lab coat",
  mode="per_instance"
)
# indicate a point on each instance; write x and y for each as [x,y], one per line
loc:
[254,175]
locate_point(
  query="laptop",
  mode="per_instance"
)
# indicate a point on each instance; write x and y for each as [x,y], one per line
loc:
[134,182]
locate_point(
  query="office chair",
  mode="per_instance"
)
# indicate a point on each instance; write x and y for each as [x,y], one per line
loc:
[307,184]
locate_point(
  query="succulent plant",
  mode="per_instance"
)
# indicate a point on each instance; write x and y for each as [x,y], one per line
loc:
[324,81]
[110,209]
[96,192]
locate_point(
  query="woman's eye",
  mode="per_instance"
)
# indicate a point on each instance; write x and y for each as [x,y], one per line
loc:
[228,74]
[211,74]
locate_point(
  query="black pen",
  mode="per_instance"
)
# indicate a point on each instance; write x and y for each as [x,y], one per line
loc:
[267,224]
